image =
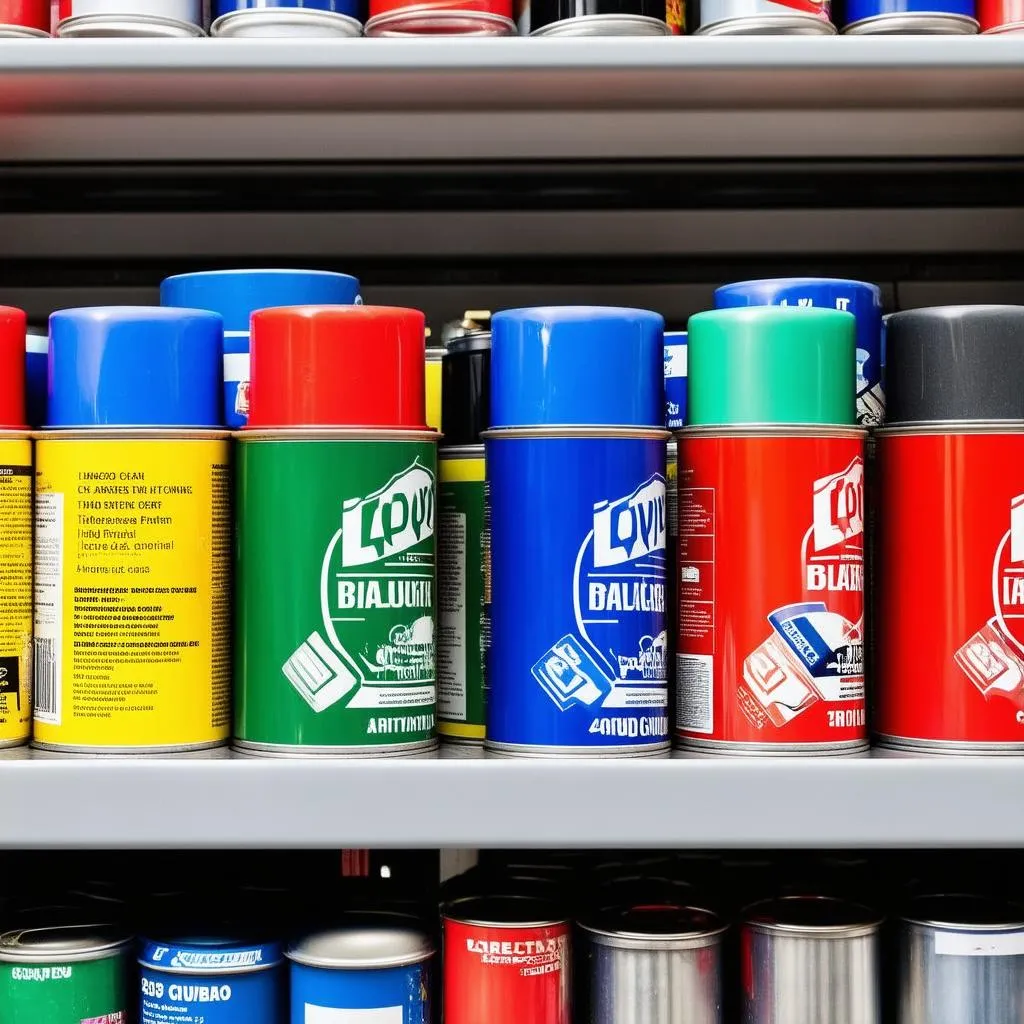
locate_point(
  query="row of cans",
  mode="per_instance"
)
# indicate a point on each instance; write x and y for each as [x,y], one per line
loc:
[350,18]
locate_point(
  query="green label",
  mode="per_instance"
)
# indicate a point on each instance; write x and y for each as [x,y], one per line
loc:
[461,627]
[335,593]
[89,992]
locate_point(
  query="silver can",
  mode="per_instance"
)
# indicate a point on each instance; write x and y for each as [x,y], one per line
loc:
[285,23]
[762,18]
[961,962]
[811,960]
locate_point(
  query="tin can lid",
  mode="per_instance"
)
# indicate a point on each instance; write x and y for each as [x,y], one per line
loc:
[824,917]
[135,366]
[236,294]
[955,363]
[577,366]
[771,364]
[504,912]
[69,943]
[13,346]
[209,955]
[965,912]
[337,366]
[656,925]
[364,943]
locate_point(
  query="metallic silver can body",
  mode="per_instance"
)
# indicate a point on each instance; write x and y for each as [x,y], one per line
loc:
[811,960]
[961,962]
[760,17]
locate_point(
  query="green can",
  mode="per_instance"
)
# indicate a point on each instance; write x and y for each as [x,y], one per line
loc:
[463,577]
[65,974]
[335,596]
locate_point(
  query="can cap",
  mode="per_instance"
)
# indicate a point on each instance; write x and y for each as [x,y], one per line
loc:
[362,944]
[338,366]
[771,364]
[504,912]
[135,366]
[12,368]
[68,943]
[955,363]
[655,926]
[812,916]
[577,366]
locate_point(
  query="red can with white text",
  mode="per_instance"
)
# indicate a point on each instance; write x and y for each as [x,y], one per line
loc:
[24,18]
[1001,15]
[950,588]
[771,590]
[506,961]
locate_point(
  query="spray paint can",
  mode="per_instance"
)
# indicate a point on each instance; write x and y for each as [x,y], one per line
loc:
[810,960]
[335,632]
[656,964]
[132,535]
[771,660]
[675,379]
[576,483]
[961,959]
[463,549]
[675,419]
[236,294]
[951,465]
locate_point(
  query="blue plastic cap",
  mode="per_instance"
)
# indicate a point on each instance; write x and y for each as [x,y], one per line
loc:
[135,366]
[577,366]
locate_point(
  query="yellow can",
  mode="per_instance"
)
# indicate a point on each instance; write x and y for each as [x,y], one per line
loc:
[15,588]
[434,357]
[132,590]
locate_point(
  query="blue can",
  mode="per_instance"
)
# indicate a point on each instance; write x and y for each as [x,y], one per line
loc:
[675,379]
[910,17]
[37,346]
[863,300]
[213,980]
[134,366]
[576,481]
[374,969]
[235,295]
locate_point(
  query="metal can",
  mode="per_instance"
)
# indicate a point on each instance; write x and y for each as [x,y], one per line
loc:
[432,377]
[287,19]
[675,379]
[910,17]
[64,973]
[236,294]
[655,964]
[961,959]
[132,535]
[861,299]
[213,980]
[440,17]
[24,19]
[808,959]
[506,961]
[595,17]
[672,571]
[761,17]
[37,345]
[376,967]
[577,656]
[998,16]
[86,19]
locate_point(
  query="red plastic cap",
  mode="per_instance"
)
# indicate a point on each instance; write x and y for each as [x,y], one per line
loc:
[12,368]
[337,366]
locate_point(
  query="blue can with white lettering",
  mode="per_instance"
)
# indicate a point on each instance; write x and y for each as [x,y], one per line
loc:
[211,980]
[576,481]
[235,295]
[675,379]
[374,968]
[37,345]
[861,299]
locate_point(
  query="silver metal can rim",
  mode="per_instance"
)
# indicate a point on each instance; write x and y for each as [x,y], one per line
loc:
[596,25]
[1007,29]
[334,434]
[98,951]
[132,434]
[353,963]
[234,24]
[449,913]
[127,25]
[769,24]
[71,749]
[645,941]
[951,427]
[11,31]
[914,23]
[219,972]
[946,748]
[954,898]
[17,435]
[512,750]
[773,430]
[575,431]
[868,927]
[256,749]
[462,451]
[723,748]
[434,354]
[484,23]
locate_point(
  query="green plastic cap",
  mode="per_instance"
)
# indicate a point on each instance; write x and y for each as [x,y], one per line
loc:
[772,364]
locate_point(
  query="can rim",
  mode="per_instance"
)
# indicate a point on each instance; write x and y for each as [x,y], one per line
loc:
[773,430]
[232,24]
[119,23]
[99,950]
[12,31]
[613,22]
[424,952]
[119,433]
[449,912]
[483,23]
[869,924]
[908,427]
[575,430]
[778,24]
[934,921]
[181,944]
[623,939]
[937,22]
[462,451]
[336,434]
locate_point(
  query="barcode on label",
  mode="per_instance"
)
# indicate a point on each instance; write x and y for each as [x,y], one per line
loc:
[46,696]
[694,711]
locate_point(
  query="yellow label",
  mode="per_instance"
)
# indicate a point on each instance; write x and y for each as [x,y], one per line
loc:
[671,492]
[434,394]
[15,590]
[132,593]
[460,470]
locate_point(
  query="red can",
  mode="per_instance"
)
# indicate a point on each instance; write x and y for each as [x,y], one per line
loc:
[506,961]
[1001,15]
[24,18]
[950,578]
[12,368]
[440,17]
[337,366]
[771,590]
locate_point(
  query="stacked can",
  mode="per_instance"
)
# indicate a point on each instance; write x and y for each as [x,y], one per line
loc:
[440,18]
[235,294]
[24,19]
[950,568]
[15,536]
[160,19]
[463,559]
[771,536]
[276,19]
[133,535]
[576,483]
[999,16]
[760,17]
[910,17]
[334,584]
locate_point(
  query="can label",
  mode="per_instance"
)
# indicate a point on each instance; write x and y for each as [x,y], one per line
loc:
[966,684]
[398,995]
[506,975]
[771,620]
[583,616]
[89,992]
[672,556]
[675,381]
[352,663]
[433,385]
[132,592]
[461,620]
[15,590]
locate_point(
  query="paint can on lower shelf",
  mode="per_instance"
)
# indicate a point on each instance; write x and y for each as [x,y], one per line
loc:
[1000,16]
[161,19]
[286,19]
[594,18]
[440,18]
[760,17]
[910,17]
[24,19]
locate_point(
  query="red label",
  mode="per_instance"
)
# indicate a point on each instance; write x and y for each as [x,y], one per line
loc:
[26,13]
[508,975]
[771,590]
[950,582]
[1001,15]
[819,8]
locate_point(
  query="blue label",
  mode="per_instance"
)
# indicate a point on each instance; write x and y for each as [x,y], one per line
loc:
[348,7]
[675,379]
[578,629]
[393,995]
[36,346]
[236,379]
[859,10]
[820,639]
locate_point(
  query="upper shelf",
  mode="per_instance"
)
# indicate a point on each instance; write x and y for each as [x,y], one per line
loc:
[499,99]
